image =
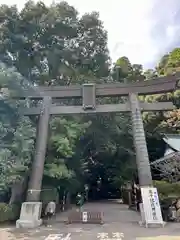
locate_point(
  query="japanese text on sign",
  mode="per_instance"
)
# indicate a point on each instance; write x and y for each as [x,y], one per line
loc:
[153,207]
[113,236]
[59,237]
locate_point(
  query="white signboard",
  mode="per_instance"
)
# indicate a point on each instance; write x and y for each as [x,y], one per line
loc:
[151,206]
[84,216]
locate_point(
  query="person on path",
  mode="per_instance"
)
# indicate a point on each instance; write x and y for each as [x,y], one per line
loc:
[50,211]
[177,206]
[79,201]
[86,188]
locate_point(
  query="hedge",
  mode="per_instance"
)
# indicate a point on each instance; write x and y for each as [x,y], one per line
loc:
[9,212]
[167,190]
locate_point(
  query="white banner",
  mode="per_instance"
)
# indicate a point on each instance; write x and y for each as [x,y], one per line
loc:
[84,216]
[151,206]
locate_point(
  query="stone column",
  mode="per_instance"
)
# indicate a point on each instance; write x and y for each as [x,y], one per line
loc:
[30,216]
[34,188]
[142,158]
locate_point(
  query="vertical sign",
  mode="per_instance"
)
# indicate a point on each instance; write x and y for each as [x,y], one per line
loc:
[151,206]
[84,216]
[89,96]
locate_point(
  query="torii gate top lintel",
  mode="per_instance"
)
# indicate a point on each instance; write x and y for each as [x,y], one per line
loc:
[88,92]
[155,86]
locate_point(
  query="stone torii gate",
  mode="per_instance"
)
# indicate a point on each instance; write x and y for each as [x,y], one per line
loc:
[88,93]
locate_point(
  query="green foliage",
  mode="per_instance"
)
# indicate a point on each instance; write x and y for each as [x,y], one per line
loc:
[52,45]
[9,212]
[162,122]
[14,163]
[161,67]
[150,74]
[125,71]
[64,135]
[167,190]
[58,171]
[48,194]
[16,132]
[169,63]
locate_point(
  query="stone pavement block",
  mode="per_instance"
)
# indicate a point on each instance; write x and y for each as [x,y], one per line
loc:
[5,235]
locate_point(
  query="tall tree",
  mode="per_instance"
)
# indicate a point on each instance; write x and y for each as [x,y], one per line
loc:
[123,70]
[17,133]
[51,45]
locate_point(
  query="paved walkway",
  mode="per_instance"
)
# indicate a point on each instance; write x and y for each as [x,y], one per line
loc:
[120,223]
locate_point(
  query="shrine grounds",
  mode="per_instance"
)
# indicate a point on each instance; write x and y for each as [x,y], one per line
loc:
[120,223]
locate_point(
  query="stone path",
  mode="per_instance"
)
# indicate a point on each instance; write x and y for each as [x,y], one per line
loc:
[120,223]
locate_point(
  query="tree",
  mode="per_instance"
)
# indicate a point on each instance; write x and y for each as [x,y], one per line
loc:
[161,67]
[123,70]
[62,144]
[50,45]
[150,74]
[53,45]
[169,63]
[163,122]
[17,135]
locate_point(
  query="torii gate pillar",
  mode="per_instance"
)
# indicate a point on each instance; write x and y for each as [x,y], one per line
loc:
[34,188]
[30,216]
[142,158]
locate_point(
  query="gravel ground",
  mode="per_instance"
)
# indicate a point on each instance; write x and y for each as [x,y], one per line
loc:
[120,223]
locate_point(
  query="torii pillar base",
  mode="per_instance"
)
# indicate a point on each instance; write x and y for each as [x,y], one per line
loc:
[30,216]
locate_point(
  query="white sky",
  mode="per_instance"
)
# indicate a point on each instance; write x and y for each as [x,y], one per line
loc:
[127,24]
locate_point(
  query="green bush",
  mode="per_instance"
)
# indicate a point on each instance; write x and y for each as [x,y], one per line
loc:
[167,190]
[48,194]
[9,212]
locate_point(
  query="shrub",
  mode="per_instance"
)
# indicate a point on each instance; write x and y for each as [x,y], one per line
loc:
[167,190]
[48,194]
[9,212]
